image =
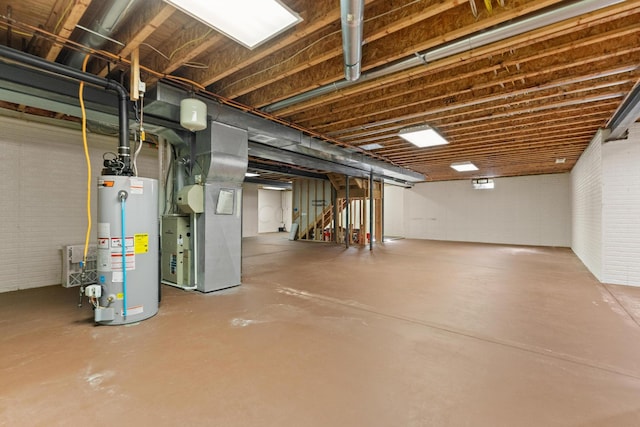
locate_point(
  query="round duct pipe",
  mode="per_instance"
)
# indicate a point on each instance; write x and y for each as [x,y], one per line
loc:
[352,13]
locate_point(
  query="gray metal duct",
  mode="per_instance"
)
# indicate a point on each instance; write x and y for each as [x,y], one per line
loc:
[502,32]
[625,115]
[103,27]
[283,144]
[352,13]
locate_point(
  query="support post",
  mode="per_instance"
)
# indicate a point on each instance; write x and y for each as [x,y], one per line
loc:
[382,210]
[347,230]
[334,201]
[371,207]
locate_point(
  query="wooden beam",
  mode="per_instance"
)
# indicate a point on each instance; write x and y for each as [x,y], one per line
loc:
[62,21]
[450,25]
[523,105]
[531,128]
[514,43]
[485,97]
[499,145]
[140,27]
[519,114]
[357,193]
[289,61]
[449,83]
[501,135]
[511,147]
[454,130]
[233,57]
[134,74]
[182,47]
[337,180]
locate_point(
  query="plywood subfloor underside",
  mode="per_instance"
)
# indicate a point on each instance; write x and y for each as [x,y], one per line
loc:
[416,333]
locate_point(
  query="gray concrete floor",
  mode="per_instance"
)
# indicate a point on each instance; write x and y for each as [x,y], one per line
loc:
[415,333]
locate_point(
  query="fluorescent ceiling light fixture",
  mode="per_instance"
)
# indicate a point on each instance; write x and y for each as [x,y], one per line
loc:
[249,22]
[251,174]
[373,146]
[482,184]
[422,136]
[274,188]
[464,166]
[560,160]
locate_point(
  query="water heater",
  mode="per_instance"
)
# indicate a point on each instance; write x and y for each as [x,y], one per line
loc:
[127,249]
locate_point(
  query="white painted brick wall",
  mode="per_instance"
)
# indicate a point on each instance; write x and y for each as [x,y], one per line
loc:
[393,210]
[586,191]
[621,210]
[43,183]
[529,210]
[270,214]
[249,209]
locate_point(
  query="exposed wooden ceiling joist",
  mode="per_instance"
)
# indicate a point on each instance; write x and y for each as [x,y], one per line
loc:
[139,28]
[63,19]
[512,106]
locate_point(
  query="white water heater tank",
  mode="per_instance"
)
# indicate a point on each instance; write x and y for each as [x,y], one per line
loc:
[127,250]
[193,114]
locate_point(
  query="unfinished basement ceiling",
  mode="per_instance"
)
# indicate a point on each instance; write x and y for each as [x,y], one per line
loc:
[511,105]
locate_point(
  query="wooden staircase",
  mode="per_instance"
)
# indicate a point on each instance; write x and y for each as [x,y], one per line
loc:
[358,187]
[321,222]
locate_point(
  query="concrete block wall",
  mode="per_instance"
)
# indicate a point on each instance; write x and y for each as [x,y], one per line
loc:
[621,210]
[530,210]
[586,200]
[43,183]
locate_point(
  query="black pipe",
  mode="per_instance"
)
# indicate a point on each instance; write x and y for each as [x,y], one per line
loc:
[124,150]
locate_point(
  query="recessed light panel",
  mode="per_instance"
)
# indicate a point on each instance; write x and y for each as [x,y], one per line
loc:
[464,166]
[251,174]
[422,136]
[249,22]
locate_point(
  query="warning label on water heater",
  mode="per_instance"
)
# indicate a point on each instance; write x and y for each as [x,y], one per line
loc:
[136,186]
[141,243]
[116,253]
[104,260]
[104,254]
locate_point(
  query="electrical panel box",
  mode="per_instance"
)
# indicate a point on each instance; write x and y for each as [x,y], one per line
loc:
[190,199]
[176,243]
[72,257]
